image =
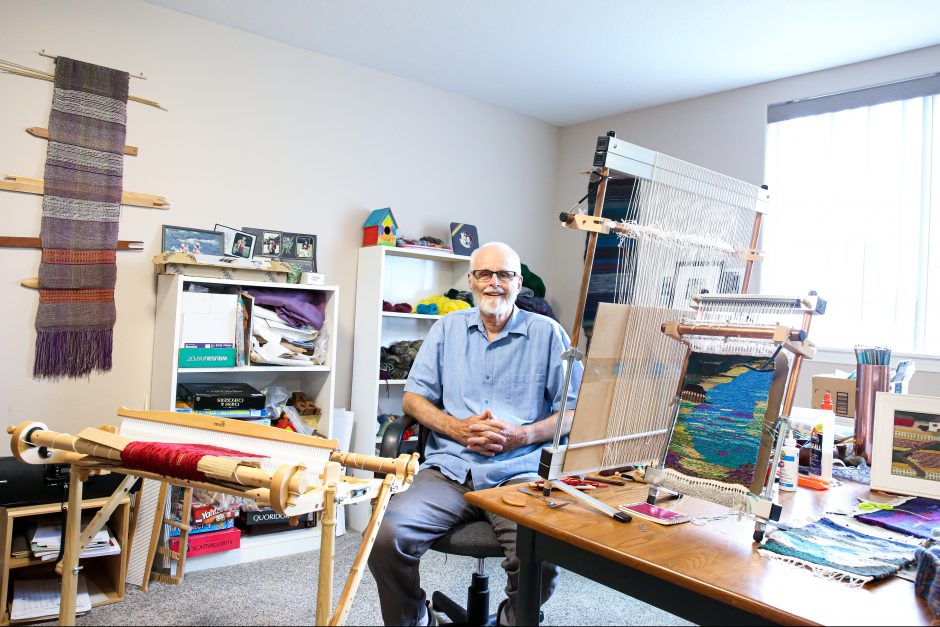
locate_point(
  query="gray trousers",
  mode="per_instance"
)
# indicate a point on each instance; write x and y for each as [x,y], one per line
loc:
[416,518]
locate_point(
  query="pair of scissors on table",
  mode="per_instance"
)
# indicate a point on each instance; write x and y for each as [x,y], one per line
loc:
[872,506]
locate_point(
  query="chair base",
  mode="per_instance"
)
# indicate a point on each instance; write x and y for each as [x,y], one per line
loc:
[478,604]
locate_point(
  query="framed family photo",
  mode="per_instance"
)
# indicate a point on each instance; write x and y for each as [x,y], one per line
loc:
[300,248]
[905,456]
[182,239]
[236,243]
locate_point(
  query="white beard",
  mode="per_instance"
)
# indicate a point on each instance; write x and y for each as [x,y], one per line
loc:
[496,305]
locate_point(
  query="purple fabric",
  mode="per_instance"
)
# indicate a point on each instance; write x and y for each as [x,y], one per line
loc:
[298,308]
[923,517]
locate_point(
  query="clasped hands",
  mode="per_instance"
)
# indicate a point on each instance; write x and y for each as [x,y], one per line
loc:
[488,435]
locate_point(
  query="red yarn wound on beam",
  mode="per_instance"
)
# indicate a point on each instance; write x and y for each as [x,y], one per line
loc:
[179,461]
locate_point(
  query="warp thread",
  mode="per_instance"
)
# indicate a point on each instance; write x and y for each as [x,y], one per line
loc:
[179,461]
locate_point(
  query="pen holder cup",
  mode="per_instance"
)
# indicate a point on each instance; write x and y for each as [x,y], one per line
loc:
[869,380]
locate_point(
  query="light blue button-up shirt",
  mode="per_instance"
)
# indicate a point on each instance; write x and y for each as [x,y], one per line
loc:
[519,376]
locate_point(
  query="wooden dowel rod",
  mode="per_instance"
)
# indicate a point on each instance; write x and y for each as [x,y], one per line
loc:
[48,55]
[27,185]
[43,133]
[45,77]
[327,541]
[9,241]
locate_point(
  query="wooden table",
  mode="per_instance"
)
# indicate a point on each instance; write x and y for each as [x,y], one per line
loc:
[708,574]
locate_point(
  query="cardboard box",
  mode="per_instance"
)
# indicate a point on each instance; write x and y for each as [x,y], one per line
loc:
[189,264]
[207,358]
[842,390]
[207,543]
[207,320]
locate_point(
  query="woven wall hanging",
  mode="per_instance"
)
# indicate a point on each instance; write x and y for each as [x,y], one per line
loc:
[80,212]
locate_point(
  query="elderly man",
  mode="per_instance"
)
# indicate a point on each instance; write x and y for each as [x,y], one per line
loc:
[488,383]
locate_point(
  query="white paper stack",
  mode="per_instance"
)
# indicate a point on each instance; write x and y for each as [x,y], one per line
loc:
[39,598]
[47,539]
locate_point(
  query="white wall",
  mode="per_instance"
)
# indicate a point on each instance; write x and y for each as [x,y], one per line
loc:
[724,132]
[258,133]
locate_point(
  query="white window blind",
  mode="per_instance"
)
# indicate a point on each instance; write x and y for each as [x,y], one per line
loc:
[854,216]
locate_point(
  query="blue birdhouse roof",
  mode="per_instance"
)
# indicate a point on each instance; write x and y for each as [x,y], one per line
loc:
[378,216]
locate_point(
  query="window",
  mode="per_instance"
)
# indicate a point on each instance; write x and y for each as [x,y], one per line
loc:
[855,187]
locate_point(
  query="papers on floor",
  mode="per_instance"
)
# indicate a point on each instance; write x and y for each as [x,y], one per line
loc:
[47,539]
[39,598]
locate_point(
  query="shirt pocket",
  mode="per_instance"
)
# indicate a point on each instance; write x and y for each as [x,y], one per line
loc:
[523,396]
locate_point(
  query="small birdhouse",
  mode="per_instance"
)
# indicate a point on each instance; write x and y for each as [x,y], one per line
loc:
[380,228]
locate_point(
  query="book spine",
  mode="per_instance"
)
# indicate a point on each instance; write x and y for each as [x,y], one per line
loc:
[231,402]
[228,413]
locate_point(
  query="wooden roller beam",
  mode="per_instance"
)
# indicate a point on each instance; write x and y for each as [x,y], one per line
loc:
[43,133]
[27,185]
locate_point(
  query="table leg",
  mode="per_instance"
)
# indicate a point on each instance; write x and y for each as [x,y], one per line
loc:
[529,594]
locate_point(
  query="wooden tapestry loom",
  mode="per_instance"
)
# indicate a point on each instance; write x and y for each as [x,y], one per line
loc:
[691,231]
[290,472]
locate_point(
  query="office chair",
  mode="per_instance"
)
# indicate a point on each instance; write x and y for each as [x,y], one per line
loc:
[473,539]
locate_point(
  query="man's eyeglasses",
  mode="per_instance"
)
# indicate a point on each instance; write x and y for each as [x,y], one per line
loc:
[485,276]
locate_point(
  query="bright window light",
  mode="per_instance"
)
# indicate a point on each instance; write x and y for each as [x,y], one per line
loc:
[856,216]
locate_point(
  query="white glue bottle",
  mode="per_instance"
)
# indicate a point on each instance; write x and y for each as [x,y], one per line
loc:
[820,452]
[789,464]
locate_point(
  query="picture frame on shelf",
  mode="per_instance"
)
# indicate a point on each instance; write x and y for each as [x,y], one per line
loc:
[271,243]
[236,243]
[690,279]
[184,239]
[905,437]
[300,248]
[263,242]
[463,238]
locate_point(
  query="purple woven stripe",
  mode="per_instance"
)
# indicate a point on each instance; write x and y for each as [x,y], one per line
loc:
[69,182]
[99,276]
[74,338]
[91,78]
[75,316]
[88,132]
[81,234]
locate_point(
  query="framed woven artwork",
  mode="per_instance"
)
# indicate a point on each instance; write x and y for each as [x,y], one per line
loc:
[905,456]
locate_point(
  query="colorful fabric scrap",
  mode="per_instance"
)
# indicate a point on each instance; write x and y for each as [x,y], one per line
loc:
[80,211]
[837,552]
[917,517]
[926,583]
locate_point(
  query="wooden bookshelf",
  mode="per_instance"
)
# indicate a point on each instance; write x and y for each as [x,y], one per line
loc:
[106,573]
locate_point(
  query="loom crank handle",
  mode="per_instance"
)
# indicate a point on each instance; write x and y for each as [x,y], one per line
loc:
[599,505]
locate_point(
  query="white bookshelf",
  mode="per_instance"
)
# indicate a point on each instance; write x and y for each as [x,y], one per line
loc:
[395,275]
[317,382]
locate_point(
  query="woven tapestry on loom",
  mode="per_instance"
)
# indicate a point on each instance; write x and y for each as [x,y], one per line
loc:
[80,211]
[729,405]
[836,552]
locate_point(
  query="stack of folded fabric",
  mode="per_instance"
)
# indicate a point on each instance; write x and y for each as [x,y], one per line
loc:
[287,327]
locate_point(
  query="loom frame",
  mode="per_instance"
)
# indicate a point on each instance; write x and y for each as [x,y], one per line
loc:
[97,451]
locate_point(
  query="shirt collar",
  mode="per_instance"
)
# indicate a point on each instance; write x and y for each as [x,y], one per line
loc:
[517,323]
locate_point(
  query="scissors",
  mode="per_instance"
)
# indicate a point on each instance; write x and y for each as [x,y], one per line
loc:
[872,506]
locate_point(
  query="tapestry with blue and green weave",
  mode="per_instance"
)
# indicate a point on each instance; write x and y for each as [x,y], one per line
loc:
[723,418]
